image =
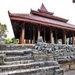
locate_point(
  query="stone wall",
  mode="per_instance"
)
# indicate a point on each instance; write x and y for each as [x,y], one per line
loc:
[70,65]
[64,54]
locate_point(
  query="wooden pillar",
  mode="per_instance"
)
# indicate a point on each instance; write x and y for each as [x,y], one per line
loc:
[44,35]
[51,36]
[33,35]
[56,38]
[38,31]
[30,31]
[72,38]
[69,40]
[64,38]
[22,35]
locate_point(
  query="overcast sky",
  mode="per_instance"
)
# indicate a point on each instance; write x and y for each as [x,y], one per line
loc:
[61,8]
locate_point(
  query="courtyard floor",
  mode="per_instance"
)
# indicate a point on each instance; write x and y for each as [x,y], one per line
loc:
[70,72]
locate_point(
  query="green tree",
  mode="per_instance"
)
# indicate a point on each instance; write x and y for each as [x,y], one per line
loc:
[3,29]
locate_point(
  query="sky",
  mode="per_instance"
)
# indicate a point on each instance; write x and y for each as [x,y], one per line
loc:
[61,8]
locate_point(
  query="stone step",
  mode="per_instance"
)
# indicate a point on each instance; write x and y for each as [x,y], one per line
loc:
[42,57]
[28,65]
[14,53]
[50,70]
[59,71]
[18,47]
[18,62]
[16,58]
[10,51]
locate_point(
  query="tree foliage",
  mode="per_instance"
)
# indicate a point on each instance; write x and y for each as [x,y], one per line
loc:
[8,41]
[11,41]
[3,29]
[15,41]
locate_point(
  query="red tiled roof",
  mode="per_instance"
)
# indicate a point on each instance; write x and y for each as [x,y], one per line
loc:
[48,16]
[43,17]
[31,17]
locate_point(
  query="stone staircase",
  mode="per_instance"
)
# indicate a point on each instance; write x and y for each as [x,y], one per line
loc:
[28,62]
[17,56]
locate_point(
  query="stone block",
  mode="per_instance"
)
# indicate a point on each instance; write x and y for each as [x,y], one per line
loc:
[2,58]
[72,65]
[65,66]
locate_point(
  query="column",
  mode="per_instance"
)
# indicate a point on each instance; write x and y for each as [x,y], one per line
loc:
[72,38]
[64,38]
[44,35]
[51,36]
[56,38]
[33,35]
[38,31]
[30,31]
[22,35]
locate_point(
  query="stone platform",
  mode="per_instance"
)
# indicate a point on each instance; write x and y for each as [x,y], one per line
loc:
[28,61]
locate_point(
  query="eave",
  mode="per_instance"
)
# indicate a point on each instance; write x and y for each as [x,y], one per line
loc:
[29,20]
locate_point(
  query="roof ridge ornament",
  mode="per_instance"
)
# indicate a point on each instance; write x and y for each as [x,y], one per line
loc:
[43,8]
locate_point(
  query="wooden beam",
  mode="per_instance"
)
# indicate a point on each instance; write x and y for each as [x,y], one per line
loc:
[56,38]
[33,35]
[38,31]
[51,35]
[22,35]
[44,35]
[64,37]
[72,38]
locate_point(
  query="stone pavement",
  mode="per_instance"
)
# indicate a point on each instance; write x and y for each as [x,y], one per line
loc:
[70,72]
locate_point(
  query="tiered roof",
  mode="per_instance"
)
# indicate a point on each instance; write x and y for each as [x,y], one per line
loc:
[43,17]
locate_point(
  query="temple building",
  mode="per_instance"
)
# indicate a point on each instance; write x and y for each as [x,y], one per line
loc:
[28,27]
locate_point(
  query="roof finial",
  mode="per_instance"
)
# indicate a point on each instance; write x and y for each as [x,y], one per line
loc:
[43,7]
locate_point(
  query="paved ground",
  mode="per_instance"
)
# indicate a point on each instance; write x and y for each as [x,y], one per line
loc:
[70,72]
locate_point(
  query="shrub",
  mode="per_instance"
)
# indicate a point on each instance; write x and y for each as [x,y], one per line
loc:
[8,41]
[15,41]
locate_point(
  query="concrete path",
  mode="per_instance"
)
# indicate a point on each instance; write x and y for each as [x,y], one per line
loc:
[70,72]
